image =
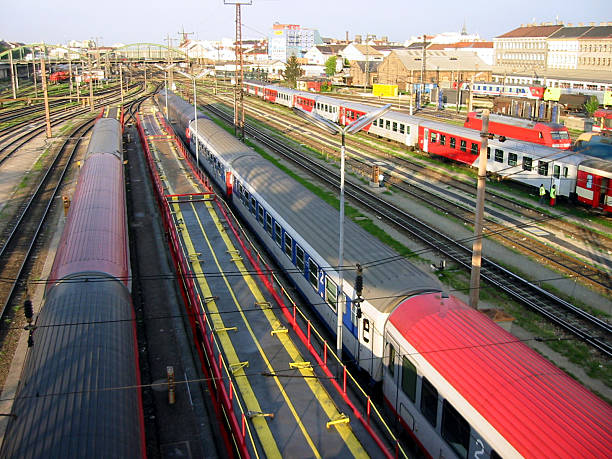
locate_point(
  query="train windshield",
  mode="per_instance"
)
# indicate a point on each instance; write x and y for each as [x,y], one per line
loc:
[559,135]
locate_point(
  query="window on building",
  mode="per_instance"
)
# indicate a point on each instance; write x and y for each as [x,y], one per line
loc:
[313,274]
[409,379]
[543,168]
[527,163]
[455,429]
[512,159]
[331,293]
[452,142]
[429,402]
[463,145]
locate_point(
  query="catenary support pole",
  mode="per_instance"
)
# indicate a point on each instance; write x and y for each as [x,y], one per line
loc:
[480,200]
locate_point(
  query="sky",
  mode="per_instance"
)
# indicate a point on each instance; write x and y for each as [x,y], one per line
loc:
[150,21]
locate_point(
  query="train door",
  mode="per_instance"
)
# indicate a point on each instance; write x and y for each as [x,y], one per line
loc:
[603,191]
[425,140]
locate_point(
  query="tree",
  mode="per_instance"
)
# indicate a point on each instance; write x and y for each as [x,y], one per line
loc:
[293,71]
[591,105]
[330,66]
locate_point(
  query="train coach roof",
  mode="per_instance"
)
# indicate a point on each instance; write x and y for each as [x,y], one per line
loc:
[106,138]
[597,166]
[67,406]
[220,141]
[540,410]
[388,278]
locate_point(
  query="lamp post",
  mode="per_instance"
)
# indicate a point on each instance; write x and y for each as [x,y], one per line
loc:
[332,128]
[195,110]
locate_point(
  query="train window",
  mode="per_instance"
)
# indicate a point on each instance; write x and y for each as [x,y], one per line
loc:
[388,125]
[589,181]
[299,258]
[488,152]
[408,129]
[565,170]
[455,429]
[429,402]
[495,455]
[394,126]
[246,198]
[331,293]
[527,163]
[442,139]
[288,245]
[512,159]
[278,234]
[556,171]
[391,362]
[253,205]
[463,145]
[366,330]
[542,168]
[474,149]
[402,128]
[453,141]
[313,274]
[269,224]
[433,137]
[409,379]
[260,215]
[499,155]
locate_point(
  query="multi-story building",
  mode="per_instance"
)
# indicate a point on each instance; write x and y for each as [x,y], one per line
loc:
[596,48]
[524,48]
[564,48]
[292,40]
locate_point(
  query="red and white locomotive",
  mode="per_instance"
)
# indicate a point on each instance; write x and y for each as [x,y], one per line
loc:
[521,161]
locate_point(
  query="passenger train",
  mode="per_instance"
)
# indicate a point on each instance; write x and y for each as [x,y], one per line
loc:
[461,385]
[524,162]
[79,393]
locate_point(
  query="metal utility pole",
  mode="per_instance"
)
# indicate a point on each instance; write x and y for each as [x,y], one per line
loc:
[367,63]
[12,73]
[239,73]
[480,200]
[34,76]
[43,71]
[170,73]
[91,98]
[121,81]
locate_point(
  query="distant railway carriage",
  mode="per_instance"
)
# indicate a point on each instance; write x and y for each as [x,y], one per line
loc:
[603,120]
[527,162]
[550,134]
[461,385]
[510,90]
[594,183]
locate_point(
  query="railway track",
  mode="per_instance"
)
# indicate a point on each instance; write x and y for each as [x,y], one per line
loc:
[21,137]
[585,326]
[19,238]
[520,222]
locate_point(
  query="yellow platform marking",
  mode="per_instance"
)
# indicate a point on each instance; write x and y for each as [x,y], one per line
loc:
[317,389]
[260,424]
[262,429]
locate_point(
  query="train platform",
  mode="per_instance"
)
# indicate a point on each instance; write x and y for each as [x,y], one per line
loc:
[275,393]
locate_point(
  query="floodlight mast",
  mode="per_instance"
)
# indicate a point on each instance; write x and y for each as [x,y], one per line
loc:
[333,128]
[238,69]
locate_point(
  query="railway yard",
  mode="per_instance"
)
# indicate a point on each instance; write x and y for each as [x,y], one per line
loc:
[232,324]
